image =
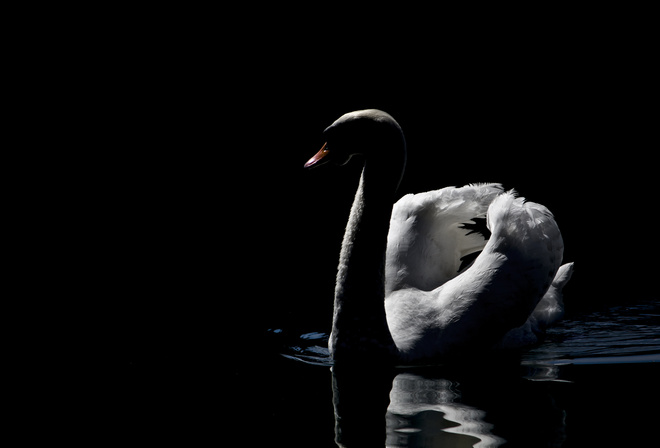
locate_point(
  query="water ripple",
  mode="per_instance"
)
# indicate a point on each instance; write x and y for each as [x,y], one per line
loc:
[622,334]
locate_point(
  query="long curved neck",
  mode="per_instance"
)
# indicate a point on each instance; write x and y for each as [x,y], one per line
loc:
[360,328]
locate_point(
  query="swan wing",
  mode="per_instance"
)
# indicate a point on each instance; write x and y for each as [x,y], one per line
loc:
[499,292]
[431,235]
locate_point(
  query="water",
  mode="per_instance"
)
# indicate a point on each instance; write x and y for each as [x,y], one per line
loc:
[593,382]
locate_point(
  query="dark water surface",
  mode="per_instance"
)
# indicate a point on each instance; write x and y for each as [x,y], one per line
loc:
[593,382]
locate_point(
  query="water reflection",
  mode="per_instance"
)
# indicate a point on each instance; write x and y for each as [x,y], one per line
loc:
[360,399]
[600,364]
[428,412]
[479,407]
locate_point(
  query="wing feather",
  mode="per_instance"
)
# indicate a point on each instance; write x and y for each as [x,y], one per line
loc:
[428,235]
[435,310]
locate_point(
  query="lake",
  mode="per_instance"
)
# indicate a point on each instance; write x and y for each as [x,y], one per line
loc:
[593,382]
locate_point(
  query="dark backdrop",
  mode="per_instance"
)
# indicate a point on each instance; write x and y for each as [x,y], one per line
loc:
[191,228]
[206,218]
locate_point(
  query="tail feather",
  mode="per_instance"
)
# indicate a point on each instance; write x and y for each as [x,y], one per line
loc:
[548,311]
[563,276]
[551,308]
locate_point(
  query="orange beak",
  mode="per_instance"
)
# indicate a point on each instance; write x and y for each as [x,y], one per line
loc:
[314,161]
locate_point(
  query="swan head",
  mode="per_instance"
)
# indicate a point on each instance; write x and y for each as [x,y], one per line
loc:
[370,132]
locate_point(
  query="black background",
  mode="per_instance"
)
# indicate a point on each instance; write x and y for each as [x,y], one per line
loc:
[192,227]
[207,213]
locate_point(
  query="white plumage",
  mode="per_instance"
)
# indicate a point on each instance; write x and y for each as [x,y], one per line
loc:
[426,240]
[506,291]
[424,279]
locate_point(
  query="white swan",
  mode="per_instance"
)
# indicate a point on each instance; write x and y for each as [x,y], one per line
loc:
[406,290]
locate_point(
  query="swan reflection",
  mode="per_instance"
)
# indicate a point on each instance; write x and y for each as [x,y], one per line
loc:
[441,409]
[525,400]
[428,410]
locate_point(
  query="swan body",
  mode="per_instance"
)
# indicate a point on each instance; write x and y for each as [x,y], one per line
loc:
[438,275]
[435,308]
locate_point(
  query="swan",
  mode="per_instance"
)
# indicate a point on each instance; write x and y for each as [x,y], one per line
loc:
[445,274]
